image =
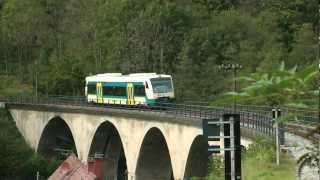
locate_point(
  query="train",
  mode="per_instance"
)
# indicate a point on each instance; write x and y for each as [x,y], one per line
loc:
[138,89]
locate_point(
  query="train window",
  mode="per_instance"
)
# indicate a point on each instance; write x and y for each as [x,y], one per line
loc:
[91,88]
[108,91]
[114,91]
[139,91]
[120,91]
[161,85]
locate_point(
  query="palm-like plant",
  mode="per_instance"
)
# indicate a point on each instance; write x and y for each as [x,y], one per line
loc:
[279,87]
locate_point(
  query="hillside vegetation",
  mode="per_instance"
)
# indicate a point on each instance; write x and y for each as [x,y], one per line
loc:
[49,46]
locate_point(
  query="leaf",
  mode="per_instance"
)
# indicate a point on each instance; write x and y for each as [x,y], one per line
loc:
[285,84]
[259,84]
[297,105]
[308,79]
[308,70]
[252,87]
[294,69]
[231,93]
[236,94]
[243,94]
[265,76]
[245,78]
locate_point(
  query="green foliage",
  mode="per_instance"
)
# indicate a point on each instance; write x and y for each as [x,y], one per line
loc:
[258,162]
[228,37]
[216,168]
[35,164]
[11,86]
[269,171]
[54,44]
[280,87]
[216,5]
[262,149]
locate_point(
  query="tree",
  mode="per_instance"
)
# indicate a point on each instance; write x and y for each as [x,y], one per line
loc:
[217,5]
[229,37]
[304,50]
[152,39]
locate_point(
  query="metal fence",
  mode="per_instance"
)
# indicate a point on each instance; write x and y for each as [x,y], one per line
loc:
[296,115]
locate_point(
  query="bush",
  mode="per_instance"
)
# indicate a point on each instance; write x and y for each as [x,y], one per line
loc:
[263,149]
[216,168]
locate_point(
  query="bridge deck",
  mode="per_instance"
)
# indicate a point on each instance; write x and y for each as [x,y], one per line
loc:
[146,114]
[180,113]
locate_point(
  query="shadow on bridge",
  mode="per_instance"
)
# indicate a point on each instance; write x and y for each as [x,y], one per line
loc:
[107,147]
[154,159]
[56,140]
[197,162]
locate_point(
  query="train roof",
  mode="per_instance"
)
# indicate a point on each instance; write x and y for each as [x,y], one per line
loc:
[118,77]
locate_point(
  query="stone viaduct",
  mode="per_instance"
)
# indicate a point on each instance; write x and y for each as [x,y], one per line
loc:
[136,144]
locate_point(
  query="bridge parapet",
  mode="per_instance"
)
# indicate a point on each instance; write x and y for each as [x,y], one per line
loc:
[184,113]
[256,118]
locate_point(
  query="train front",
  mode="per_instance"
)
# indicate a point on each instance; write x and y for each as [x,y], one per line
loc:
[162,89]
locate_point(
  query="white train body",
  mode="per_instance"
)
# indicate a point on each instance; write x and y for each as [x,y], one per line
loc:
[133,89]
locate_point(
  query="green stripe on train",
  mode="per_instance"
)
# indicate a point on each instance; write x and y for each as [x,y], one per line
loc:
[117,84]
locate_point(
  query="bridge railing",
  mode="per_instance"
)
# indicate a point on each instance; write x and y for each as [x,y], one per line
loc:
[295,115]
[258,119]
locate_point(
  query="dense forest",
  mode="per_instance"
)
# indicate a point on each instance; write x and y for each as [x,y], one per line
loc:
[49,46]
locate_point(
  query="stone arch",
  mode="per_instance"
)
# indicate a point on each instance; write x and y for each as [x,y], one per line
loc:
[56,139]
[154,161]
[106,147]
[198,158]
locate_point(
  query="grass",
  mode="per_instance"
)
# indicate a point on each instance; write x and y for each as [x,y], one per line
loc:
[255,169]
[258,163]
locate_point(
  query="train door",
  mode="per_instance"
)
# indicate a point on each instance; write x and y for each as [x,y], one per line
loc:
[130,94]
[99,93]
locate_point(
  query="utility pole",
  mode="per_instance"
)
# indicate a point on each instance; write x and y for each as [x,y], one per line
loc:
[232,146]
[234,68]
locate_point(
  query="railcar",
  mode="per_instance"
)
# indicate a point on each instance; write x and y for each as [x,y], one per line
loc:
[145,89]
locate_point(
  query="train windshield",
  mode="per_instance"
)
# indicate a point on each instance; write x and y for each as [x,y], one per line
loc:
[161,85]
